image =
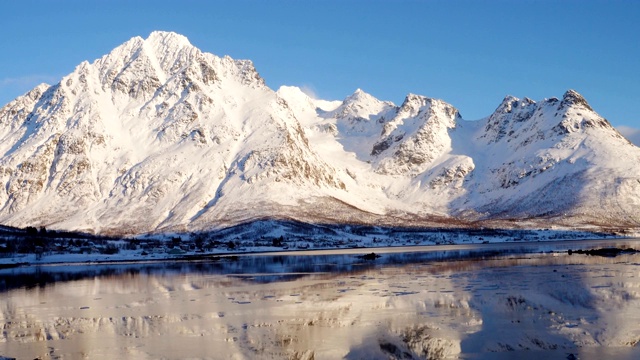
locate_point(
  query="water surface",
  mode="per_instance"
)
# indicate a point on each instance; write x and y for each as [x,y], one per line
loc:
[470,302]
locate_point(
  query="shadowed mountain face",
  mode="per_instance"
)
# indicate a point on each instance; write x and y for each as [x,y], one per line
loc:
[160,136]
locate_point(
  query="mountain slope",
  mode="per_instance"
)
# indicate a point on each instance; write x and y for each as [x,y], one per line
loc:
[159,136]
[155,130]
[556,158]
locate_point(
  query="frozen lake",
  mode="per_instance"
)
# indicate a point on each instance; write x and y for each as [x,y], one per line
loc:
[501,301]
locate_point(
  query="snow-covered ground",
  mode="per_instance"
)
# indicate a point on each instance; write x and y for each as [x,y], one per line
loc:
[265,236]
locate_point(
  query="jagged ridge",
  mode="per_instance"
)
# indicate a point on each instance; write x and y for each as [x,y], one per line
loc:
[160,136]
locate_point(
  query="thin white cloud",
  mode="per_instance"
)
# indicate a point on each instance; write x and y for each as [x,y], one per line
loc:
[28,80]
[630,133]
[12,87]
[310,91]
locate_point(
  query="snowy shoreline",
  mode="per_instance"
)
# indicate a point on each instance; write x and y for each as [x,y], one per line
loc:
[165,254]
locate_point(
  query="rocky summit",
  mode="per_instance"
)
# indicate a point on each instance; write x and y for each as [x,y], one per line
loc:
[158,136]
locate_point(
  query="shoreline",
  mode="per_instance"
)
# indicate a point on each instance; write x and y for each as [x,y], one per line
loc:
[69,259]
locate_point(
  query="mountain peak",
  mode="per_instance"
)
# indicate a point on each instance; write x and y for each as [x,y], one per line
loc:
[572,97]
[168,38]
[506,104]
[413,97]
[511,103]
[361,105]
[413,104]
[359,95]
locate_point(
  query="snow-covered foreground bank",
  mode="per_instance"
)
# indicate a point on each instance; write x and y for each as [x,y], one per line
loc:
[331,306]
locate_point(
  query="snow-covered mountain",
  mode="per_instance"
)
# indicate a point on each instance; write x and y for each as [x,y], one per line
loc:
[158,136]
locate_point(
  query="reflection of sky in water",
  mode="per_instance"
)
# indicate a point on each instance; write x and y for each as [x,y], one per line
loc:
[420,305]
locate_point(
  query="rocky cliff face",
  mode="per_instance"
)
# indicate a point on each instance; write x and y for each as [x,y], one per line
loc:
[160,136]
[415,136]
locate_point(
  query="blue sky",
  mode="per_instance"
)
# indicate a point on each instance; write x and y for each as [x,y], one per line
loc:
[469,53]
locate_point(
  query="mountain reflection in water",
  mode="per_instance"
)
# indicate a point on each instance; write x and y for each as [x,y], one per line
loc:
[486,302]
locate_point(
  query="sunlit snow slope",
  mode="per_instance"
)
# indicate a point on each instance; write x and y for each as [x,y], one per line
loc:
[160,136]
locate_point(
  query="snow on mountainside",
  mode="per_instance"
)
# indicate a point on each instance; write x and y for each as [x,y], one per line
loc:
[557,157]
[160,136]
